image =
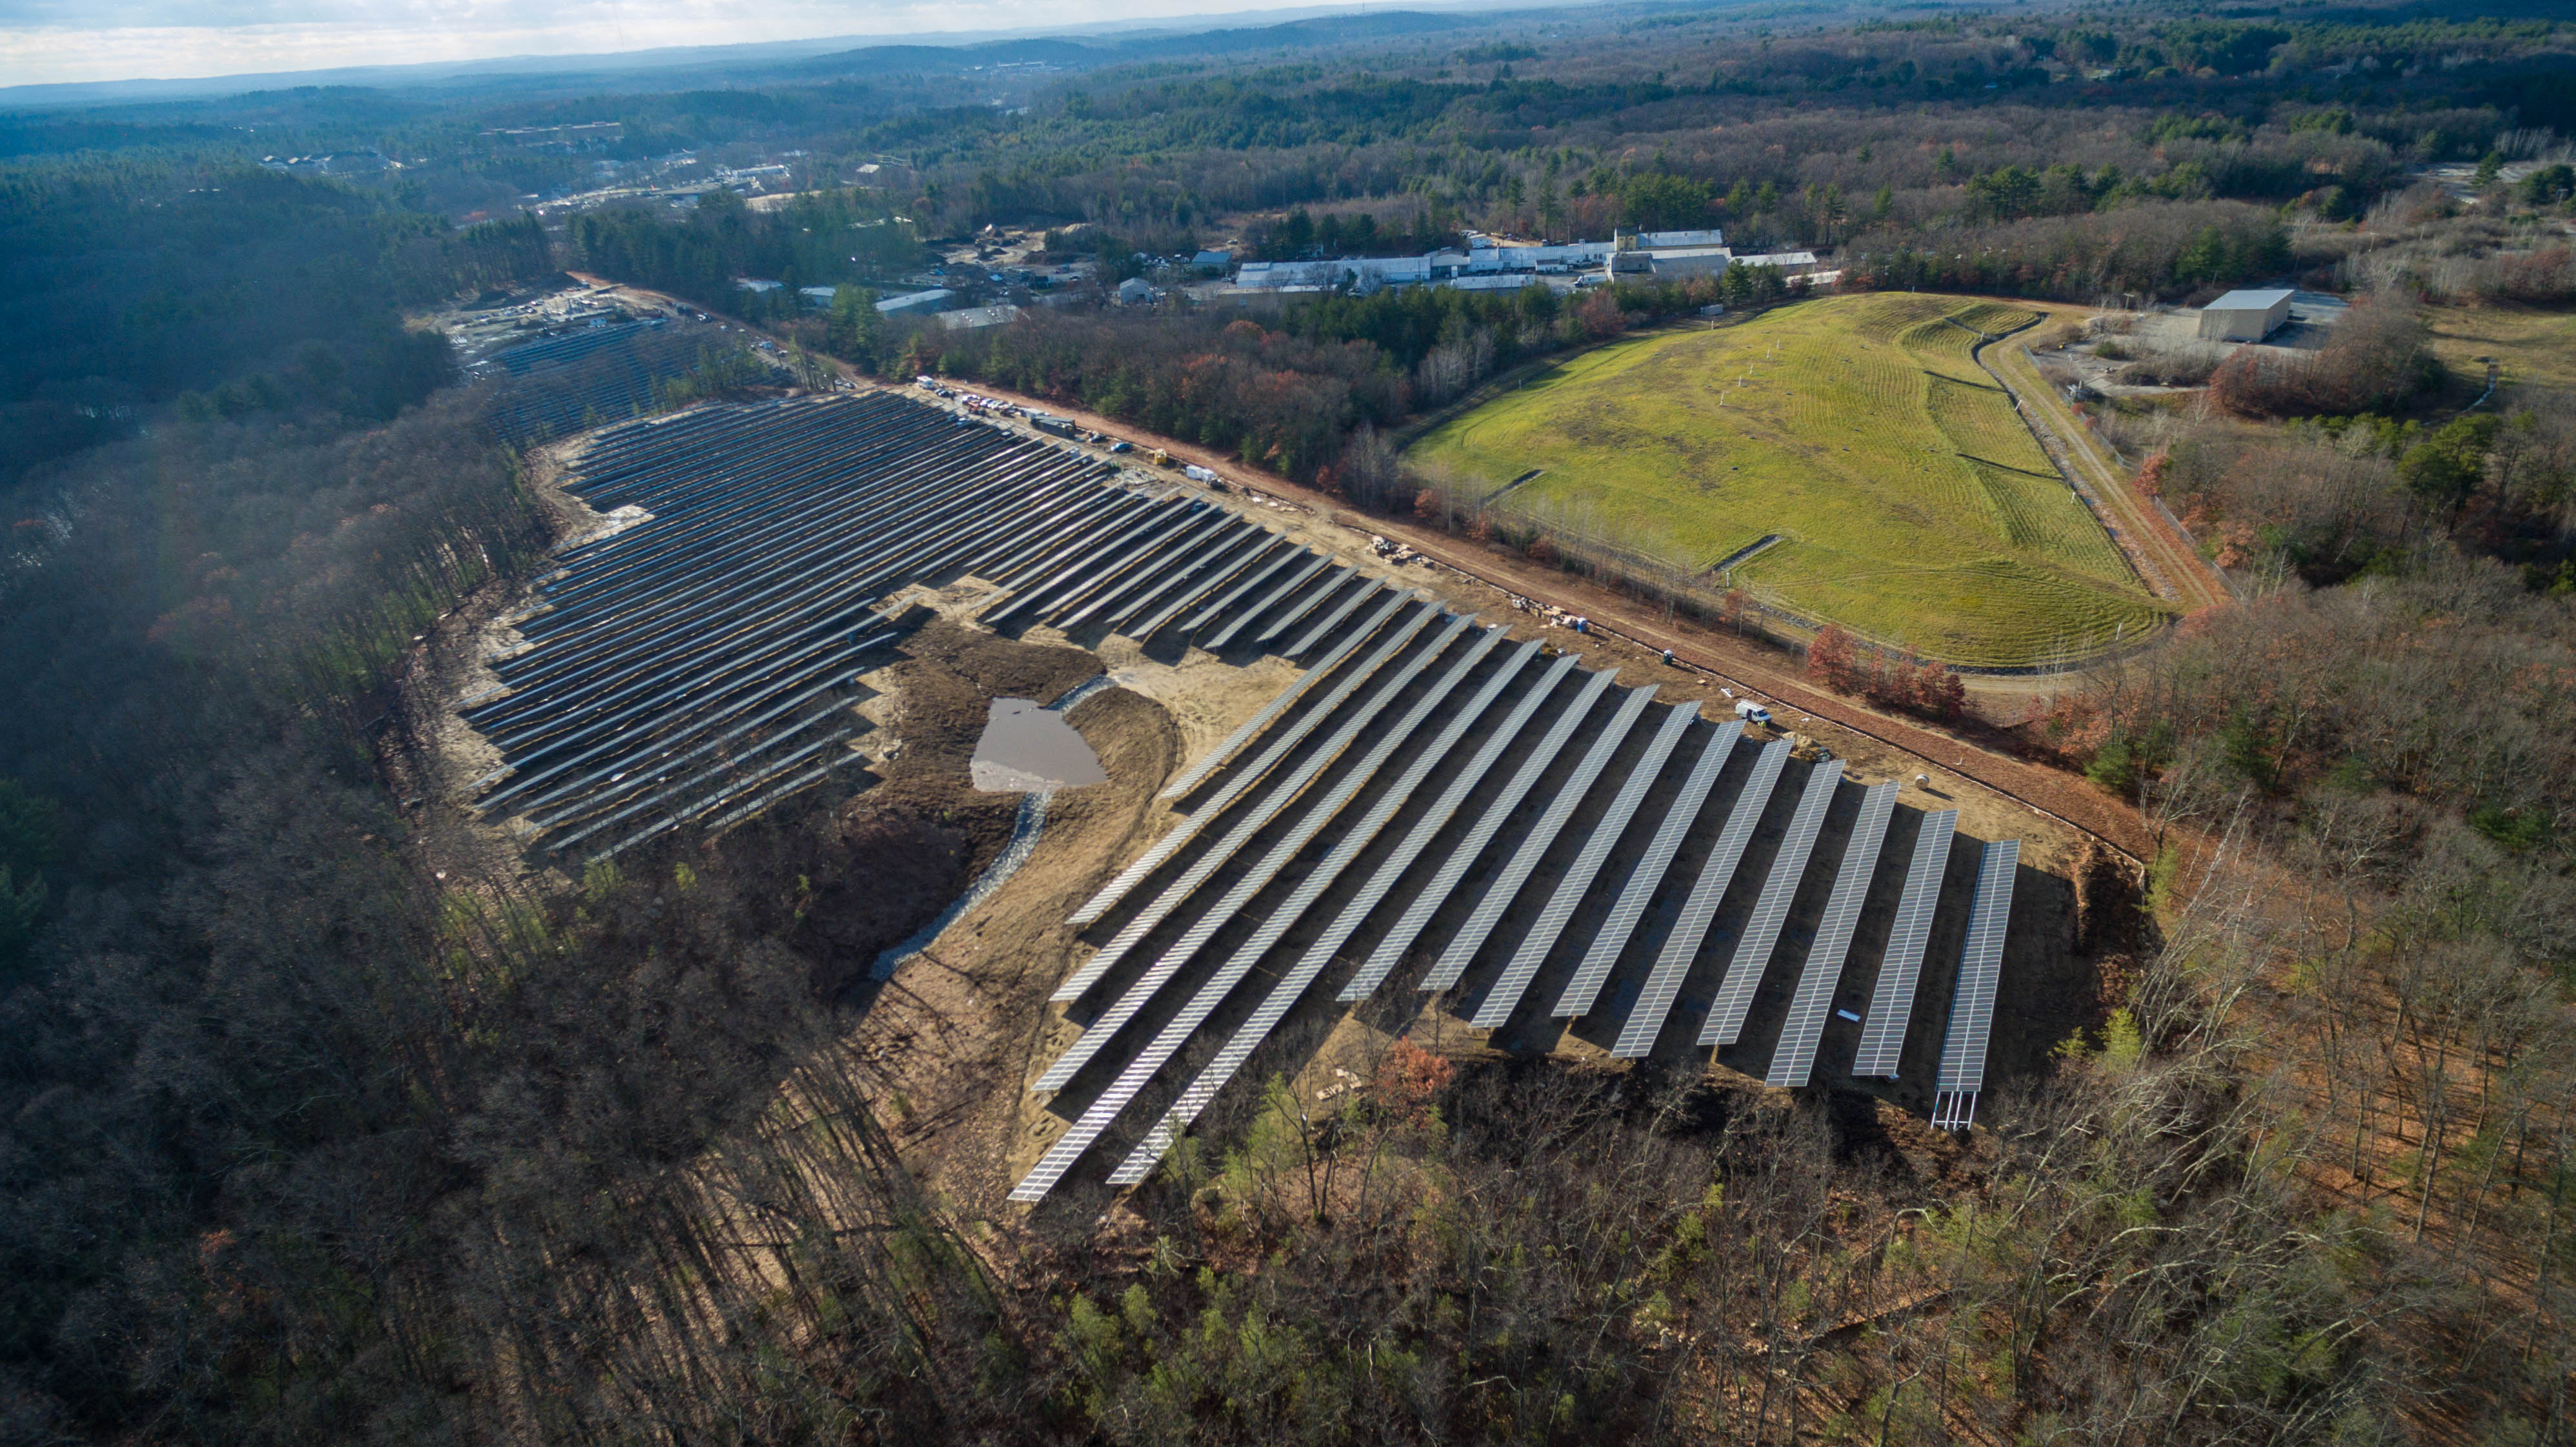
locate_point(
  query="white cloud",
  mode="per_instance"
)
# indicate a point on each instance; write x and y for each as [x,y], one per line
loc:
[79,40]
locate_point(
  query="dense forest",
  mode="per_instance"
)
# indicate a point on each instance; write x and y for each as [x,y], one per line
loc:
[325,1119]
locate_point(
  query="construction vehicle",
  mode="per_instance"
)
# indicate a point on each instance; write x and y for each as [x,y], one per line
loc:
[1161,458]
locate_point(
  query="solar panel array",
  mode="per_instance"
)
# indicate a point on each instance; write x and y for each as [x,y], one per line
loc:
[558,386]
[1681,947]
[1679,816]
[1516,871]
[1962,1075]
[1570,890]
[697,664]
[1762,932]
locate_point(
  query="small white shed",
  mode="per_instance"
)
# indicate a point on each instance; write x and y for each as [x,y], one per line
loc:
[2244,316]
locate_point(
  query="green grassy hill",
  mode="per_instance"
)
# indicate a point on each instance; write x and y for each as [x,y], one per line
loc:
[1914,504]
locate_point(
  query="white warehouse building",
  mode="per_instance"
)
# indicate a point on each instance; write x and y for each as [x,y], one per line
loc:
[2244,316]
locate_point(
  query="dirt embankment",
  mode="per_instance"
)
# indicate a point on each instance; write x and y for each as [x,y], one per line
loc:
[958,1030]
[912,843]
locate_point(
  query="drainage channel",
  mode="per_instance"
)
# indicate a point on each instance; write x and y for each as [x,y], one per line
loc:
[1026,830]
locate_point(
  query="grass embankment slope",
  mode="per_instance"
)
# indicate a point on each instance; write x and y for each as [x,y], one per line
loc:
[1914,505]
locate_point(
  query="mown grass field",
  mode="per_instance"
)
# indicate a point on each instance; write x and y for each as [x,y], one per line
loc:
[1915,505]
[2536,347]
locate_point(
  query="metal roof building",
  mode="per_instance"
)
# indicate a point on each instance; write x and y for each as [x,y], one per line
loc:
[2244,316]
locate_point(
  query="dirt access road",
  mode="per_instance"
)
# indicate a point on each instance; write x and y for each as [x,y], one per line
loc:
[2173,568]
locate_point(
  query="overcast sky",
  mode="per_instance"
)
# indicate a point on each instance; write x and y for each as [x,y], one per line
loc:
[65,40]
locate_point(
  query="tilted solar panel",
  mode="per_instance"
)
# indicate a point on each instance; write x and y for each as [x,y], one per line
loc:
[1891,1003]
[1681,947]
[1972,1006]
[1643,880]
[1534,844]
[1568,895]
[1752,955]
[1793,1059]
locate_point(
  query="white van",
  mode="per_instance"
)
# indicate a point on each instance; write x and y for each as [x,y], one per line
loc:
[1751,712]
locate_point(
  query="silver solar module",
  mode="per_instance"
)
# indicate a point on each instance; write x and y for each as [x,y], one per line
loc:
[1197,819]
[1313,598]
[1325,625]
[1263,604]
[1189,778]
[1436,818]
[1497,811]
[1681,947]
[1257,878]
[1281,792]
[1761,935]
[1168,1041]
[1568,895]
[1289,557]
[1793,1059]
[1516,870]
[1891,1004]
[1284,994]
[1612,937]
[1972,1006]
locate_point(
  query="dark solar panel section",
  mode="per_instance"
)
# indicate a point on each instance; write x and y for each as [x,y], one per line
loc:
[1793,1059]
[1167,1043]
[694,667]
[1284,994]
[1244,778]
[1972,1008]
[1435,819]
[1567,895]
[560,386]
[1891,1003]
[1498,810]
[1771,910]
[1681,947]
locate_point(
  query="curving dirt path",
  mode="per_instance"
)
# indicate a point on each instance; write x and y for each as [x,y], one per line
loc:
[2160,553]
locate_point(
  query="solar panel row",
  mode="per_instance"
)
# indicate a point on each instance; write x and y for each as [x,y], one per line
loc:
[1962,1075]
[1576,885]
[1251,882]
[1243,779]
[1771,909]
[1681,947]
[1793,1059]
[1643,880]
[1535,841]
[1497,810]
[1891,1003]
[1146,1063]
